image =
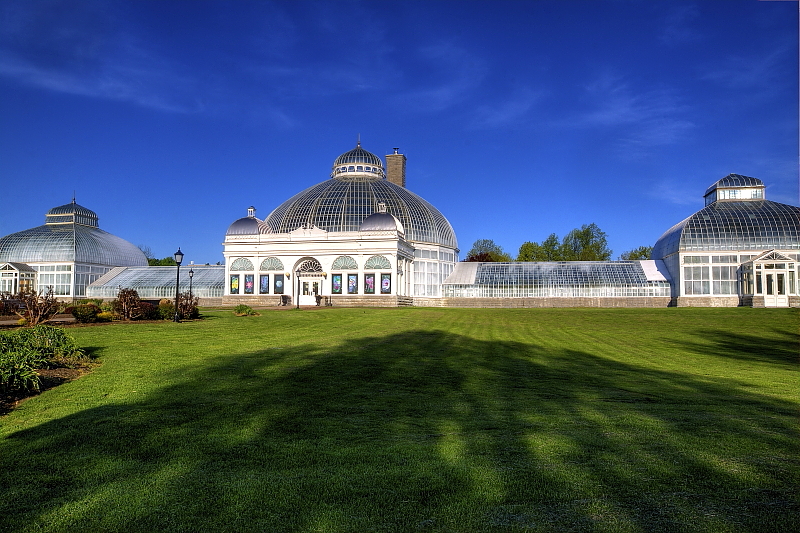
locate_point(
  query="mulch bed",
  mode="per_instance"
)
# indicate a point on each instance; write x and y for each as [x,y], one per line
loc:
[49,378]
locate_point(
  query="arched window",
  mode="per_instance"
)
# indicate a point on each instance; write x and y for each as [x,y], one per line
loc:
[271,263]
[377,262]
[309,265]
[344,262]
[242,264]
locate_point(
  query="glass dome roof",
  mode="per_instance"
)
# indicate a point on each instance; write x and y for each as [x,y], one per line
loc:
[358,156]
[735,180]
[69,213]
[744,225]
[336,205]
[70,234]
[343,202]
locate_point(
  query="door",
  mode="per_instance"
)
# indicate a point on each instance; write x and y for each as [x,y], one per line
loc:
[309,291]
[775,294]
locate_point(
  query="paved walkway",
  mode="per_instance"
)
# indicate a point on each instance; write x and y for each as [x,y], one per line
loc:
[12,320]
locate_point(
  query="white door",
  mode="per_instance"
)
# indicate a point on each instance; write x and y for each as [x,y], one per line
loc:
[309,289]
[775,293]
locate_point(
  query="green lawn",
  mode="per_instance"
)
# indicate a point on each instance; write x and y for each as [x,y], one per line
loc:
[418,420]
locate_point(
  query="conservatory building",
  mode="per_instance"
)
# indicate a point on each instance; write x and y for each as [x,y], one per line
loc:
[740,249]
[67,253]
[357,238]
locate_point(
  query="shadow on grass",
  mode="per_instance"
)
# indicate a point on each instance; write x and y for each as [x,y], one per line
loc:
[420,431]
[778,346]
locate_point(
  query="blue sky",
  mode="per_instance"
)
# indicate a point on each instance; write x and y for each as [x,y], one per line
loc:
[519,119]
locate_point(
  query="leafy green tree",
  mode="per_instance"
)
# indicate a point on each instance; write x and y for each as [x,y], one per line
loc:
[642,252]
[530,251]
[167,261]
[487,251]
[589,243]
[549,250]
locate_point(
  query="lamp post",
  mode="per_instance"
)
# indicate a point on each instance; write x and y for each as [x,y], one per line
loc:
[178,256]
[191,274]
[297,277]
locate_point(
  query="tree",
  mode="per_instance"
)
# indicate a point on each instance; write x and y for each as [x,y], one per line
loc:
[547,251]
[148,253]
[167,261]
[36,308]
[187,305]
[128,304]
[588,243]
[486,251]
[642,252]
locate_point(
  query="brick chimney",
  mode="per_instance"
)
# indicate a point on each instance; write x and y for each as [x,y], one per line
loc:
[396,168]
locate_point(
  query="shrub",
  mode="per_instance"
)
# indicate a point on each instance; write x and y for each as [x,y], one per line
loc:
[166,309]
[23,351]
[36,308]
[18,369]
[127,304]
[187,306]
[105,316]
[244,310]
[96,301]
[148,311]
[86,313]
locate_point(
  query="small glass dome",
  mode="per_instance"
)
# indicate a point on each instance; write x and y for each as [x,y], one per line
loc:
[381,222]
[358,164]
[735,180]
[248,225]
[69,213]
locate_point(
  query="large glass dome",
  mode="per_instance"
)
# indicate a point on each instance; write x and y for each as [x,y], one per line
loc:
[70,234]
[344,201]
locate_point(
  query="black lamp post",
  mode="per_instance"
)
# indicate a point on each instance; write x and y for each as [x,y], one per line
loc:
[191,274]
[178,259]
[297,276]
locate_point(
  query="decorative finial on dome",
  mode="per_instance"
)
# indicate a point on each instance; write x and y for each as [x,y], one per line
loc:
[251,211]
[358,144]
[381,207]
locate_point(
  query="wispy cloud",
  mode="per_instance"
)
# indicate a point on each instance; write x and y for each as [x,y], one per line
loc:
[76,51]
[678,26]
[757,70]
[514,109]
[676,193]
[638,119]
[454,73]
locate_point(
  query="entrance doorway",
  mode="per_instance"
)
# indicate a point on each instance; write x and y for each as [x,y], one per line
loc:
[309,281]
[773,276]
[775,294]
[309,291]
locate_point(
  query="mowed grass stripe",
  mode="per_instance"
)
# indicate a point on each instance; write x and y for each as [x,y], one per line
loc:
[417,420]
